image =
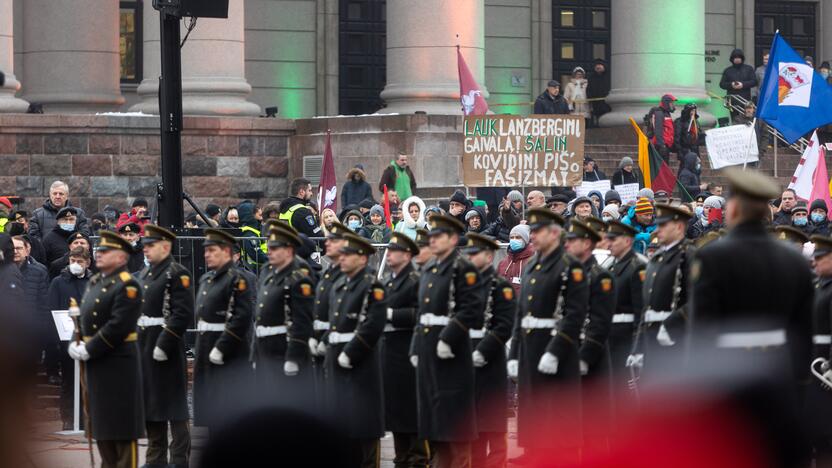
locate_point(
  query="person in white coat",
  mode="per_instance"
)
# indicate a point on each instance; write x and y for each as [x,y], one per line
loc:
[575,93]
[411,220]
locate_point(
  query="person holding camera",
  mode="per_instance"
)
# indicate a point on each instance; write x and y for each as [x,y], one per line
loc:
[138,214]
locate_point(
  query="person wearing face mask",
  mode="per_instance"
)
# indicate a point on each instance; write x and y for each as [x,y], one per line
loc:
[517,256]
[738,79]
[354,220]
[824,71]
[76,239]
[130,233]
[819,218]
[707,217]
[689,173]
[55,242]
[800,218]
[610,213]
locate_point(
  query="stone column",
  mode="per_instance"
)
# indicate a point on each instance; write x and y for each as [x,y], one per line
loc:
[541,45]
[825,14]
[71,55]
[652,57]
[8,102]
[213,66]
[421,53]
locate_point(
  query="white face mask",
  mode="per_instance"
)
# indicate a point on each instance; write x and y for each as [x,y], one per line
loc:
[76,269]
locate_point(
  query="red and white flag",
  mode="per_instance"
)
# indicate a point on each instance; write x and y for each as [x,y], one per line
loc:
[327,187]
[473,102]
[804,175]
[820,187]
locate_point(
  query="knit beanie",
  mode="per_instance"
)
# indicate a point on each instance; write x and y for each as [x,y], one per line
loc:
[459,197]
[514,196]
[471,213]
[713,202]
[643,206]
[611,211]
[612,196]
[645,193]
[521,230]
[818,205]
[625,161]
[377,209]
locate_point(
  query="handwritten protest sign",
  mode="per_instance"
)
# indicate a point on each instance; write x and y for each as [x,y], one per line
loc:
[730,146]
[602,186]
[514,151]
[627,192]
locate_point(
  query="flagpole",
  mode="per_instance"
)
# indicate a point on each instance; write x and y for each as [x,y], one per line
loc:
[750,139]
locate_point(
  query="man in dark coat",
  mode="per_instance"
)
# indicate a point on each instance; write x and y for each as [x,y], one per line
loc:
[109,311]
[45,217]
[788,200]
[689,176]
[76,239]
[551,101]
[449,305]
[356,189]
[130,232]
[357,313]
[738,78]
[544,352]
[167,312]
[55,241]
[295,209]
[489,356]
[400,415]
[818,404]
[35,287]
[598,87]
[223,308]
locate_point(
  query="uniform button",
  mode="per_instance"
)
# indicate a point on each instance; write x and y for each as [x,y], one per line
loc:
[333,328]
[94,326]
[97,301]
[204,293]
[339,301]
[142,301]
[95,314]
[537,267]
[427,300]
[433,270]
[145,286]
[265,293]
[427,330]
[430,285]
[317,302]
[530,297]
[389,285]
[650,291]
[103,289]
[261,306]
[321,288]
[209,281]
[654,274]
[337,314]
[533,281]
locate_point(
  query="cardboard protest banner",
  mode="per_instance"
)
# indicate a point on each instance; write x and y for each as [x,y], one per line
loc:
[730,146]
[514,151]
[602,186]
[627,192]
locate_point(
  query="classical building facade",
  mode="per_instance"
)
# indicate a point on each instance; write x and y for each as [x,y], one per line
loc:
[330,57]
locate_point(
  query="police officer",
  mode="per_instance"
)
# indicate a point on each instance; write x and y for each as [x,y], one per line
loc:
[546,336]
[283,323]
[664,318]
[489,356]
[130,233]
[450,305]
[402,285]
[357,314]
[167,310]
[423,242]
[109,311]
[224,305]
[295,211]
[818,403]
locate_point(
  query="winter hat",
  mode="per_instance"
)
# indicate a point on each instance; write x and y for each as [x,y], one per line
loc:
[612,196]
[611,211]
[625,161]
[471,213]
[377,209]
[139,202]
[521,230]
[713,202]
[580,200]
[645,193]
[5,202]
[514,196]
[367,203]
[66,211]
[800,207]
[212,210]
[643,206]
[818,205]
[459,197]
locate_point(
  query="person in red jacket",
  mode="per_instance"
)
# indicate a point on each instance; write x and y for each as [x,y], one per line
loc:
[138,214]
[518,255]
[660,126]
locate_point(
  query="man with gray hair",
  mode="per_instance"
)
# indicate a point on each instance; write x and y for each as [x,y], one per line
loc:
[43,219]
[535,199]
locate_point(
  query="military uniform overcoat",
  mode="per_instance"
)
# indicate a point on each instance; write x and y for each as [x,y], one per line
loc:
[628,276]
[818,402]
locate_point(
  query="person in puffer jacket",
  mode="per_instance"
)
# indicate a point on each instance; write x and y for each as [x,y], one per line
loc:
[640,217]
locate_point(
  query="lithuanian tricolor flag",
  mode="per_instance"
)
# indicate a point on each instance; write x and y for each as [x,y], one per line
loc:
[657,174]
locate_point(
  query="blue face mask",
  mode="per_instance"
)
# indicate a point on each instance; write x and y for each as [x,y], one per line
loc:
[699,211]
[354,224]
[516,245]
[800,221]
[818,217]
[67,226]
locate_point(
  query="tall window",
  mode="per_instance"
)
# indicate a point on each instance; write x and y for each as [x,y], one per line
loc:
[796,22]
[580,34]
[362,55]
[130,41]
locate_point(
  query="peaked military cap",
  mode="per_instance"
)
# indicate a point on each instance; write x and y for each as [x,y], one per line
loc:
[700,198]
[129,227]
[446,224]
[476,243]
[280,237]
[422,238]
[667,213]
[616,228]
[75,236]
[400,241]
[112,241]
[541,217]
[823,245]
[752,184]
[272,222]
[790,234]
[579,230]
[337,230]
[153,233]
[219,237]
[596,224]
[356,244]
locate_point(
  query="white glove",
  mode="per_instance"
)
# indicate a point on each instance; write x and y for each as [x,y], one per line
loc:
[414,361]
[78,351]
[216,357]
[321,349]
[313,347]
[513,367]
[344,360]
[479,359]
[159,354]
[548,364]
[663,337]
[290,368]
[635,360]
[584,367]
[443,350]
[389,314]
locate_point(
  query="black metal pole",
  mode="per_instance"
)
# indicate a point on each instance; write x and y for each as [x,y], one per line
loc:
[169,192]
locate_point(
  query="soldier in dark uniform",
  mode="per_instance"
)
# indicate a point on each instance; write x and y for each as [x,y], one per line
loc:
[283,323]
[545,341]
[489,357]
[167,311]
[357,314]
[402,285]
[664,319]
[423,242]
[109,310]
[223,310]
[794,237]
[628,271]
[449,306]
[594,351]
[130,233]
[818,402]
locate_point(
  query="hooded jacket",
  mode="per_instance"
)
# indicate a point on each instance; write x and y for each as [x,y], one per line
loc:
[43,220]
[407,225]
[483,225]
[689,176]
[688,135]
[511,267]
[353,191]
[347,217]
[599,87]
[743,73]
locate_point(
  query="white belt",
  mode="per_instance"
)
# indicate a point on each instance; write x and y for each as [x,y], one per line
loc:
[822,339]
[623,318]
[651,316]
[476,334]
[530,323]
[752,339]
[390,328]
[145,321]
[203,326]
[434,320]
[320,325]
[335,337]
[263,332]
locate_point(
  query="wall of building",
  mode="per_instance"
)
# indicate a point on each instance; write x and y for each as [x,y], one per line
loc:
[508,56]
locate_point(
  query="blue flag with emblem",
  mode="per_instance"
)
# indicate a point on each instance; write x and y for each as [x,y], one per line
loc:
[794,98]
